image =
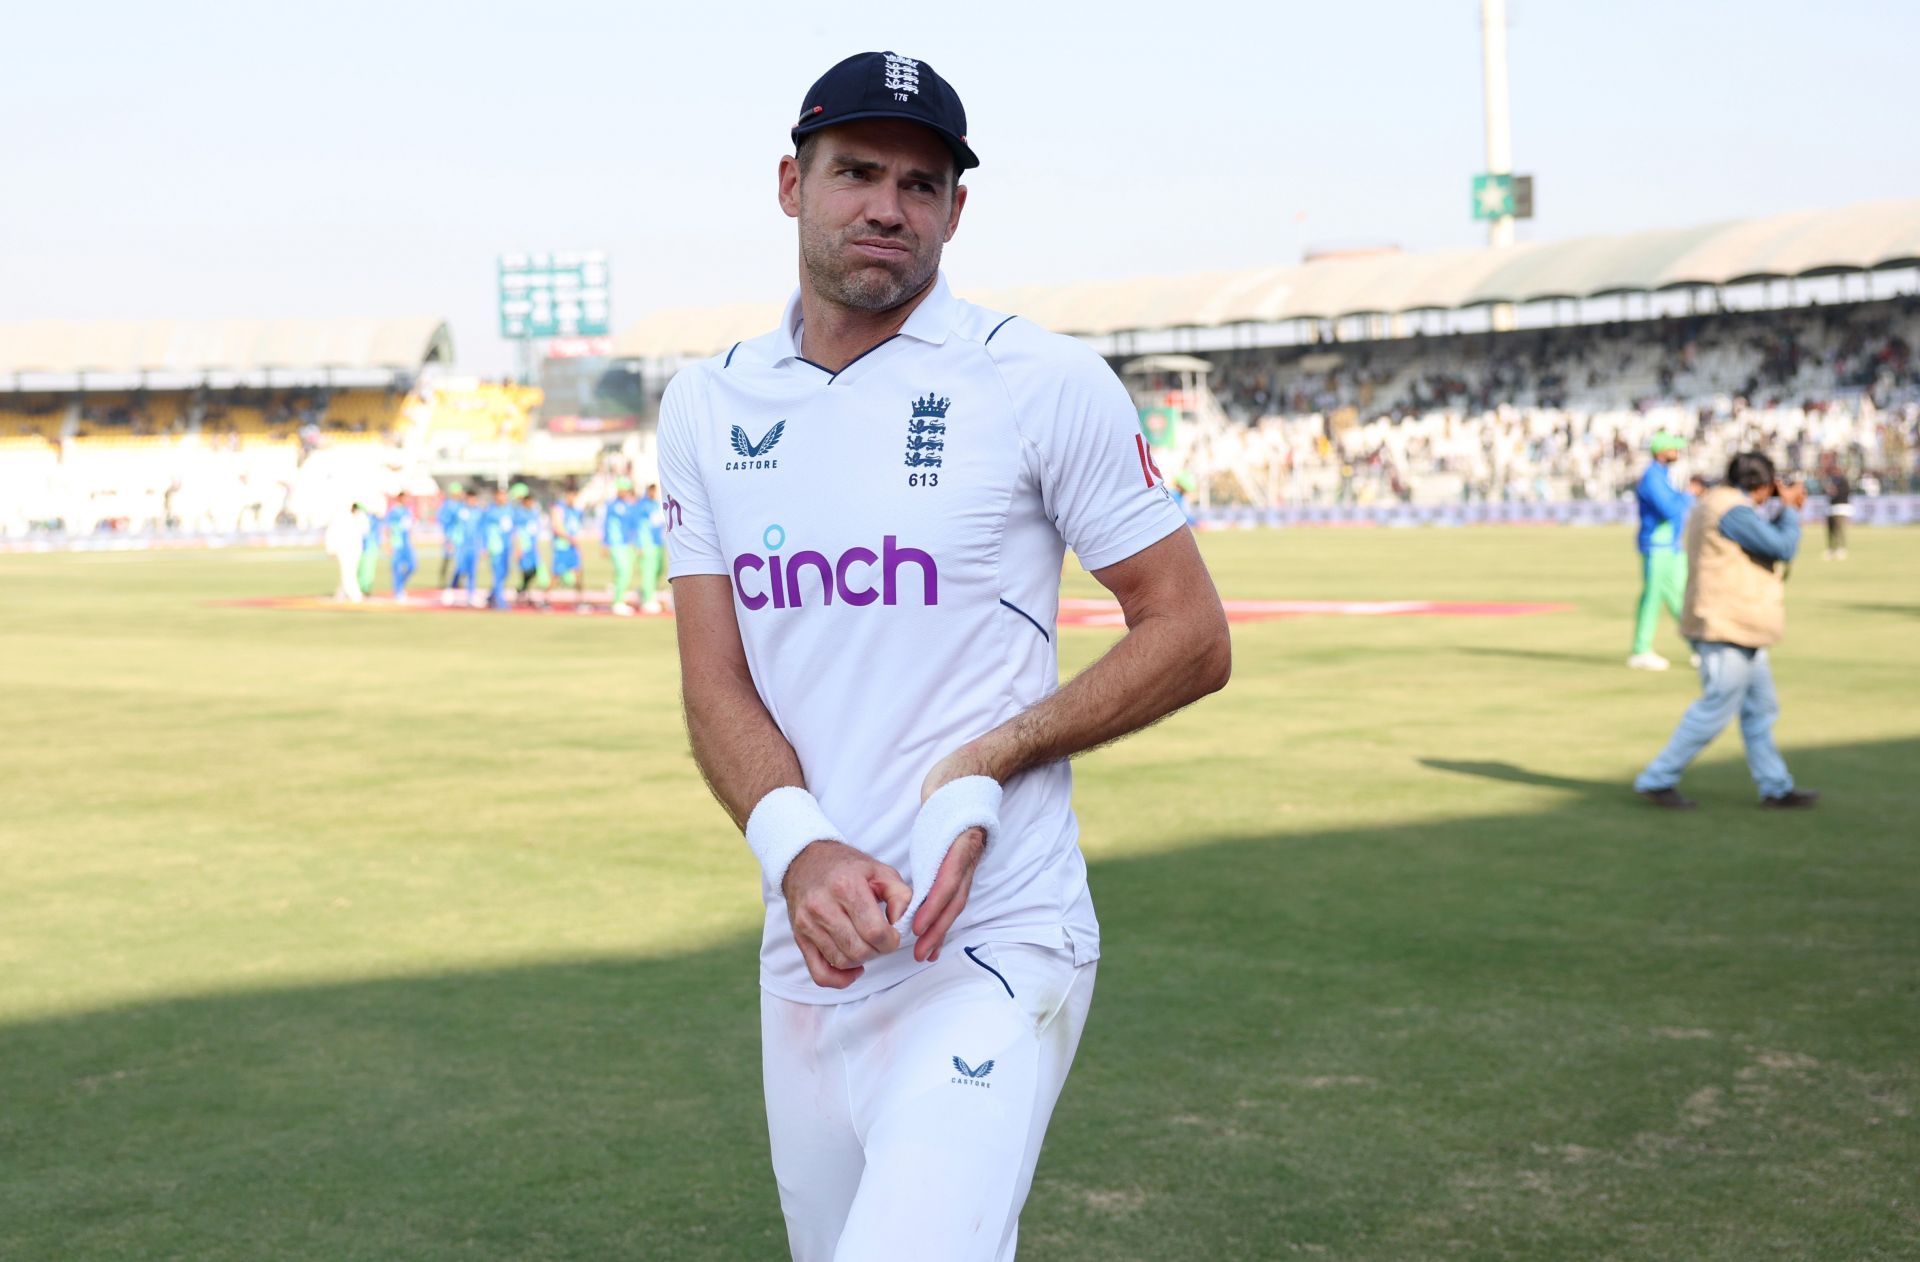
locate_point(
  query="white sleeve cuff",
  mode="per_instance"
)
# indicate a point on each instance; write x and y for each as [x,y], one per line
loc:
[969,802]
[785,822]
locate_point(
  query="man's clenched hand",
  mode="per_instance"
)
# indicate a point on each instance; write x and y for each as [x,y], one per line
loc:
[948,897]
[842,904]
[954,883]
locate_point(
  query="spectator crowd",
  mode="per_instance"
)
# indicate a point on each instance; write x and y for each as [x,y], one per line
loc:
[1566,412]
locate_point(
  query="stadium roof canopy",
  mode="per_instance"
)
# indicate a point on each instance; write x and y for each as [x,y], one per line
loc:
[1855,238]
[178,354]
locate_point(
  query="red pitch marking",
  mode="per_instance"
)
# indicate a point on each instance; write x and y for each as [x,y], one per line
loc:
[1074,612]
[1106,613]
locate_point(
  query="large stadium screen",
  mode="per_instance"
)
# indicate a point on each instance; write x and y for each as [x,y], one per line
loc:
[592,394]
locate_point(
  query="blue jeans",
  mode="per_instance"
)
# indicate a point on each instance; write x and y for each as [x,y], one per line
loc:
[1733,680]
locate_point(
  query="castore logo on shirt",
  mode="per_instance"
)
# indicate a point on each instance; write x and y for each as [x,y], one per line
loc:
[750,452]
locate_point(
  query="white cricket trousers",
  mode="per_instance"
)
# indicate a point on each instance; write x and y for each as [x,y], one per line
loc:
[349,588]
[907,1124]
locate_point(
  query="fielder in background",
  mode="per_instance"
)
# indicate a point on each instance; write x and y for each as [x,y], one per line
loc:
[527,521]
[447,519]
[496,533]
[400,559]
[1663,564]
[568,523]
[369,551]
[345,540]
[1839,491]
[649,544]
[1742,538]
[466,549]
[619,534]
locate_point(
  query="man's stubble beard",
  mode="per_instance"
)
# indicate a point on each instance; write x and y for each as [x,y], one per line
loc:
[868,286]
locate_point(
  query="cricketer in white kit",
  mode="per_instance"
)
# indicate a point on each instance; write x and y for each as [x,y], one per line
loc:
[867,510]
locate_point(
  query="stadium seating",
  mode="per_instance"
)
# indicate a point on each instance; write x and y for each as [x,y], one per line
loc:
[1533,415]
[208,462]
[1769,359]
[457,414]
[35,417]
[375,412]
[1565,413]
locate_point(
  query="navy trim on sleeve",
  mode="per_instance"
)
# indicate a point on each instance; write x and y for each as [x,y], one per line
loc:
[729,363]
[996,328]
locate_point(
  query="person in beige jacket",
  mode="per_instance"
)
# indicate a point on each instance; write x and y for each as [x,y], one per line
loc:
[1735,611]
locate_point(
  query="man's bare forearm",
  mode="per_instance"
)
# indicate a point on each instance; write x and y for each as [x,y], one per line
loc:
[740,750]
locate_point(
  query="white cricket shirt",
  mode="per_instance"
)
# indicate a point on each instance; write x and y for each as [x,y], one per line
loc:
[894,533]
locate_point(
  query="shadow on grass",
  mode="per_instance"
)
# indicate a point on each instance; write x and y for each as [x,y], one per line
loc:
[1908,611]
[1520,775]
[1543,655]
[1363,1040]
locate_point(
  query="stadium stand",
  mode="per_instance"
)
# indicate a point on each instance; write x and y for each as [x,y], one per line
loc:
[1565,413]
[1452,377]
[461,412]
[1500,375]
[22,421]
[1766,358]
[210,428]
[1867,236]
[376,413]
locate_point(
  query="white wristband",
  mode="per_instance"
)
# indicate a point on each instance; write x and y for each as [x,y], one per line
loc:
[969,802]
[785,822]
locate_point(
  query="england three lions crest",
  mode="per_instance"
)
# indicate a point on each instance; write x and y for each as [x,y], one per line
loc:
[927,431]
[900,76]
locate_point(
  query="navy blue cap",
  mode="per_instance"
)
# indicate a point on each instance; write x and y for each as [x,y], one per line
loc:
[887,85]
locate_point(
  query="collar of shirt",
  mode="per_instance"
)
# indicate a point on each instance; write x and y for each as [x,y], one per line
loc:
[930,322]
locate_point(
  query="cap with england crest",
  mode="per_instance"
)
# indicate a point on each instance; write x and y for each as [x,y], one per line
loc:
[887,85]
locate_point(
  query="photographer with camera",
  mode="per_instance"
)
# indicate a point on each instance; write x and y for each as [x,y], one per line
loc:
[1740,539]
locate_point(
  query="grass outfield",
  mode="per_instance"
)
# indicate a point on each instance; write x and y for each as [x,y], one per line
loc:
[328,936]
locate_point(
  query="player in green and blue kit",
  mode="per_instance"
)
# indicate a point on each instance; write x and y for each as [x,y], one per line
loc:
[465,536]
[652,538]
[400,544]
[619,531]
[568,523]
[449,544]
[527,523]
[370,551]
[1662,541]
[496,535]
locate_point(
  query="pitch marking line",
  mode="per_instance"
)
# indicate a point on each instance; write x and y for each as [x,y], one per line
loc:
[1074,612]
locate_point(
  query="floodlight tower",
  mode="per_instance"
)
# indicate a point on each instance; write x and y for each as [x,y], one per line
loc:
[1493,80]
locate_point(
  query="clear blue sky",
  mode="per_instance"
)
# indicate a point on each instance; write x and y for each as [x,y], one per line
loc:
[206,159]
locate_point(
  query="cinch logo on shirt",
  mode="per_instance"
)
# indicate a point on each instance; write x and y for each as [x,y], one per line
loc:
[775,579]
